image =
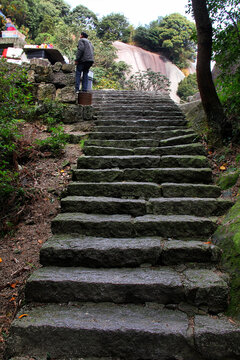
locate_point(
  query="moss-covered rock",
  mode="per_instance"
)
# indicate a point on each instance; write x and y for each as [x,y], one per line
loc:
[227,180]
[227,237]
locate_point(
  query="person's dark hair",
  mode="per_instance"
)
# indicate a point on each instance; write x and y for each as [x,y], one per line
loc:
[84,34]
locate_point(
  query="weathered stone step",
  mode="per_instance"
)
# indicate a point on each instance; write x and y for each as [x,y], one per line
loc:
[141,122]
[156,175]
[188,149]
[116,331]
[179,140]
[103,205]
[164,206]
[164,285]
[114,189]
[131,116]
[66,250]
[190,190]
[136,128]
[122,226]
[142,161]
[123,143]
[159,135]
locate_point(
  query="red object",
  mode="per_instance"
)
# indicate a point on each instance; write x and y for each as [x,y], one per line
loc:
[4,53]
[11,28]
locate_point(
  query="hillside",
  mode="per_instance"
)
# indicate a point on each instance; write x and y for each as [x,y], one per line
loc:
[141,59]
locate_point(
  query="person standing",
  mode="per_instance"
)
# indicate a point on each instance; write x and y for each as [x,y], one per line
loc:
[84,60]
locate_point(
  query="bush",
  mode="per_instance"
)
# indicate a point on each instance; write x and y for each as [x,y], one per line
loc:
[148,81]
[15,97]
[187,87]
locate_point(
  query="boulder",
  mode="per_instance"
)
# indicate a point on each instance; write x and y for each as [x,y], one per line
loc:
[66,94]
[61,79]
[46,91]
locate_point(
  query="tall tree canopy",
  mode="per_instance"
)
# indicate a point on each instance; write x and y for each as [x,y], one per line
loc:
[82,16]
[114,27]
[172,35]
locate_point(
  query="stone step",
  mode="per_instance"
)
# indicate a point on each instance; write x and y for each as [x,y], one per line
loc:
[136,128]
[177,226]
[188,149]
[156,175]
[142,161]
[131,143]
[164,285]
[129,189]
[67,250]
[131,116]
[159,135]
[114,331]
[156,206]
[103,205]
[142,122]
[179,140]
[170,190]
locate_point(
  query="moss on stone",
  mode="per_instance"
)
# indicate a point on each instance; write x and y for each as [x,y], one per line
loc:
[227,180]
[227,237]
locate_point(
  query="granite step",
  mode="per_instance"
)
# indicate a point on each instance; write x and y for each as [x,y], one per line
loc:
[142,122]
[130,332]
[156,175]
[95,252]
[142,161]
[158,135]
[164,285]
[135,128]
[165,206]
[130,143]
[177,226]
[191,149]
[129,189]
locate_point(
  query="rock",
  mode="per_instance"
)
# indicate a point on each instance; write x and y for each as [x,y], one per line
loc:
[46,91]
[228,180]
[66,94]
[68,68]
[227,237]
[72,114]
[57,66]
[43,74]
[61,79]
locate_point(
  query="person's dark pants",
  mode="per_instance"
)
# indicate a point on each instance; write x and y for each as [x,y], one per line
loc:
[82,68]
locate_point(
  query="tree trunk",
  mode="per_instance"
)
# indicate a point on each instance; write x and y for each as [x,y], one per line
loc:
[210,100]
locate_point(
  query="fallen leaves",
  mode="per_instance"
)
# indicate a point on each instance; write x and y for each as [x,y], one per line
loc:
[1,260]
[23,315]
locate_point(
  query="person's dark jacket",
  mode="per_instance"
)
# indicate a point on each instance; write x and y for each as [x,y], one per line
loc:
[84,51]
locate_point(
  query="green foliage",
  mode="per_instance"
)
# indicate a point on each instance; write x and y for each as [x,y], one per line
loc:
[114,27]
[51,113]
[56,142]
[171,35]
[82,16]
[148,81]
[187,87]
[15,97]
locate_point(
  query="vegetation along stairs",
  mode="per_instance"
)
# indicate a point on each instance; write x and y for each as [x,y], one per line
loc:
[129,272]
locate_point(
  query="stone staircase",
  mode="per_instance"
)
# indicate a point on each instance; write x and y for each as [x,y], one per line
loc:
[129,272]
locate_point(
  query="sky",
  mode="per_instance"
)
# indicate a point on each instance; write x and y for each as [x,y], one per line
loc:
[138,12]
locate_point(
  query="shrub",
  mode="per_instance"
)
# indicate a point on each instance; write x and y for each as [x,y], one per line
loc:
[187,87]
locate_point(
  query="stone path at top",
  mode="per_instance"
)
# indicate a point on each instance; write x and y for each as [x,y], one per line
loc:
[129,272]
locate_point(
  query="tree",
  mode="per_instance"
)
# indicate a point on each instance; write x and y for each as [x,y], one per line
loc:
[82,16]
[187,87]
[210,101]
[172,35]
[114,27]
